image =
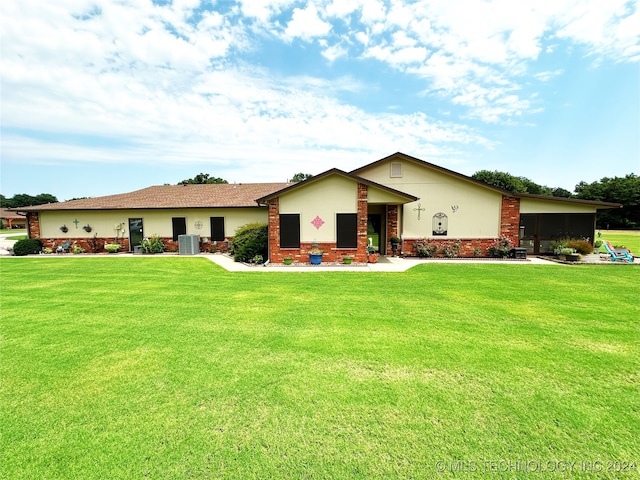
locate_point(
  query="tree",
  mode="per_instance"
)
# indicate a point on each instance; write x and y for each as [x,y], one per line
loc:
[511,183]
[561,192]
[203,178]
[301,177]
[624,190]
[25,200]
[502,180]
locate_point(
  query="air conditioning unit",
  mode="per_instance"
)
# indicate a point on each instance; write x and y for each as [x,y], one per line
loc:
[188,244]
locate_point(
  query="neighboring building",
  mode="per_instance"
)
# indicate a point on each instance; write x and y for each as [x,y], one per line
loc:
[12,220]
[340,212]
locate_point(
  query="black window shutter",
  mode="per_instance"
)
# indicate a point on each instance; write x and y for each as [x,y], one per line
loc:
[179,227]
[347,230]
[217,229]
[289,230]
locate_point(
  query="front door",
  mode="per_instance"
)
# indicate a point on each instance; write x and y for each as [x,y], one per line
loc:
[135,232]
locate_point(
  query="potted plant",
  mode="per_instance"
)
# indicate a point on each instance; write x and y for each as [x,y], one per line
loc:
[315,256]
[395,241]
[372,255]
[112,247]
[287,260]
[596,246]
[570,254]
[347,260]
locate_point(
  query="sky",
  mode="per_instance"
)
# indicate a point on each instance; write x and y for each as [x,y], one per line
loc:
[101,97]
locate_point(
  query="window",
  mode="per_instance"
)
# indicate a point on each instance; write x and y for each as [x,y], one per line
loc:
[217,229]
[396,169]
[289,230]
[347,230]
[179,227]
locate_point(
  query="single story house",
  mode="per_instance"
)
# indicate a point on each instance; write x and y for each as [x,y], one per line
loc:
[12,220]
[340,212]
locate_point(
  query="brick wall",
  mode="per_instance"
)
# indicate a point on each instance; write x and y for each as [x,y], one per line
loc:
[33,225]
[510,218]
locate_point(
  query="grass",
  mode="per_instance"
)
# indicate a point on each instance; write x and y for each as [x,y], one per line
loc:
[170,367]
[628,238]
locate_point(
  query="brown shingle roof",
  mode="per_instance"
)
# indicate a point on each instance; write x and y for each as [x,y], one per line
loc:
[172,196]
[4,213]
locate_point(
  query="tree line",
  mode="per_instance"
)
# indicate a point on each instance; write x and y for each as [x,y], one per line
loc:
[624,190]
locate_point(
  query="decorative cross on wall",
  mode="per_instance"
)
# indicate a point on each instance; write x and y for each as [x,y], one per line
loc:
[76,222]
[419,209]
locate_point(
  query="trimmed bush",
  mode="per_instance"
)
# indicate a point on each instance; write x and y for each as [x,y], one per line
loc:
[581,246]
[27,246]
[249,241]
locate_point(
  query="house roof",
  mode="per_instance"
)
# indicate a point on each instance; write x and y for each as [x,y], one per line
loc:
[336,171]
[465,178]
[5,213]
[171,196]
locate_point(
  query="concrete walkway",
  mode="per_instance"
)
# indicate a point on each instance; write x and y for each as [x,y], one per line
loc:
[388,264]
[6,243]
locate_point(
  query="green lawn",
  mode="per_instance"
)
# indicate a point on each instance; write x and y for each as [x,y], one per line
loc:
[627,238]
[170,367]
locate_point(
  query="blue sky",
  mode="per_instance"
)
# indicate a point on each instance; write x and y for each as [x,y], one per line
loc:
[103,97]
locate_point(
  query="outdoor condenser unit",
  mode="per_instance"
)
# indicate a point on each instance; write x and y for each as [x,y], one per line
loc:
[188,244]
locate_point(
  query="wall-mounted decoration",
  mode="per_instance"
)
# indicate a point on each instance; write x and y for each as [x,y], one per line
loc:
[419,209]
[198,224]
[439,224]
[317,222]
[454,208]
[87,228]
[64,229]
[76,221]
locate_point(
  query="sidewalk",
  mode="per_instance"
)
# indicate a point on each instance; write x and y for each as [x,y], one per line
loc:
[388,264]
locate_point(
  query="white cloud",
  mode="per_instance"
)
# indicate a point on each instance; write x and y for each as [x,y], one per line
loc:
[169,82]
[306,24]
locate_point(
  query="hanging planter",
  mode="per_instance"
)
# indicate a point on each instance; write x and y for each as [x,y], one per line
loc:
[86,228]
[64,229]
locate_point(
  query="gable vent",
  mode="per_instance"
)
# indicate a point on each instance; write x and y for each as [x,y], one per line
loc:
[396,169]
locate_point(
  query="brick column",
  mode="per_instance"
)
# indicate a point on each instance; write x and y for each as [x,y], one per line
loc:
[510,218]
[33,225]
[363,210]
[392,224]
[274,231]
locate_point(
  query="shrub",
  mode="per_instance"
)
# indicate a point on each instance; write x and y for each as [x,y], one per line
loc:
[152,244]
[477,252]
[425,248]
[76,249]
[27,246]
[112,247]
[500,248]
[250,240]
[451,250]
[583,247]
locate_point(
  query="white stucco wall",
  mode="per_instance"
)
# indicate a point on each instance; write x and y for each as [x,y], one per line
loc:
[532,205]
[478,209]
[154,221]
[323,198]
